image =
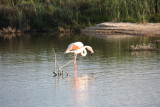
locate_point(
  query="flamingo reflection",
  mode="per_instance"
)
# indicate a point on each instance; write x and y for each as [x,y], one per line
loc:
[81,87]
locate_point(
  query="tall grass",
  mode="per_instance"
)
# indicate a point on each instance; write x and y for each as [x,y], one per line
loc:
[74,14]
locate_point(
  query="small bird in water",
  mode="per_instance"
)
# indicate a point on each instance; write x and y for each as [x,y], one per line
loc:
[78,48]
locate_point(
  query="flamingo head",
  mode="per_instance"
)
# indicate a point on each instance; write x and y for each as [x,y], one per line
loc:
[92,54]
[90,49]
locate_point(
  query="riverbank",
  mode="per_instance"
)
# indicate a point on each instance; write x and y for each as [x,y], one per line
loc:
[106,28]
[147,29]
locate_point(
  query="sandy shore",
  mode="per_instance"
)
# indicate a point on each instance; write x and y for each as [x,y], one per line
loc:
[149,29]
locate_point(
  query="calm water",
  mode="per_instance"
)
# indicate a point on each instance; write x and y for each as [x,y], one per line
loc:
[111,78]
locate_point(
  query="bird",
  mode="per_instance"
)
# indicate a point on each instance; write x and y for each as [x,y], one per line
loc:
[78,48]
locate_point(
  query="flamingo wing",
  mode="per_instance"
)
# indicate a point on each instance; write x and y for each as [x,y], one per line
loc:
[73,47]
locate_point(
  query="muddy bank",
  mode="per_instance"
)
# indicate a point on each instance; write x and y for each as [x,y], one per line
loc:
[149,29]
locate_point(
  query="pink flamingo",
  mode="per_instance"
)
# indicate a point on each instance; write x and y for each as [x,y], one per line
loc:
[78,48]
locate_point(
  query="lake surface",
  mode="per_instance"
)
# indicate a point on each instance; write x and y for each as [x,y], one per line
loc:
[111,77]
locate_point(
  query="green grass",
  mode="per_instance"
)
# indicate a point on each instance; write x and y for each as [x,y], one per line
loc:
[74,14]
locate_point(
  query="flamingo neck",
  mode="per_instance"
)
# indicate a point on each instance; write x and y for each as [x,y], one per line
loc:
[83,52]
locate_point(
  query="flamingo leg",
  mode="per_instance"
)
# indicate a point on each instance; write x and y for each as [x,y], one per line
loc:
[75,63]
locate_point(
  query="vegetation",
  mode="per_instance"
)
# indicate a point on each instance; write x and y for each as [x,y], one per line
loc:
[143,47]
[52,15]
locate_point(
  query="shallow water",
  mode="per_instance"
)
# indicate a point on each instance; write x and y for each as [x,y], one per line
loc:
[111,78]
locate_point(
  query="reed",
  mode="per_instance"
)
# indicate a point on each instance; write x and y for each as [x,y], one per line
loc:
[144,47]
[8,30]
[74,14]
[58,69]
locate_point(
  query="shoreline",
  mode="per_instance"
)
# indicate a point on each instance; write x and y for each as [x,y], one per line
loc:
[103,29]
[109,28]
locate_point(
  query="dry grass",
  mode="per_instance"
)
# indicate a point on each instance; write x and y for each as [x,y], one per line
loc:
[143,47]
[9,30]
[9,33]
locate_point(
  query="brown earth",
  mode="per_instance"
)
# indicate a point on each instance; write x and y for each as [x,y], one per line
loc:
[149,29]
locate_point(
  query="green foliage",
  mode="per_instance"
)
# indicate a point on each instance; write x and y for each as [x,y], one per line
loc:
[129,19]
[8,16]
[155,18]
[74,14]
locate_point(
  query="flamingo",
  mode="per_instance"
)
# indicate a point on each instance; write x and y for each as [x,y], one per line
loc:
[78,48]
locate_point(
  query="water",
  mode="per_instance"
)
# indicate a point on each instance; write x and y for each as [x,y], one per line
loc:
[111,78]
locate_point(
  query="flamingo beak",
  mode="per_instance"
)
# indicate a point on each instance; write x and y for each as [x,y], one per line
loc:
[92,54]
[66,52]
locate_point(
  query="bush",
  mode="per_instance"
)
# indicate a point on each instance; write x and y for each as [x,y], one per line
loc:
[8,16]
[155,18]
